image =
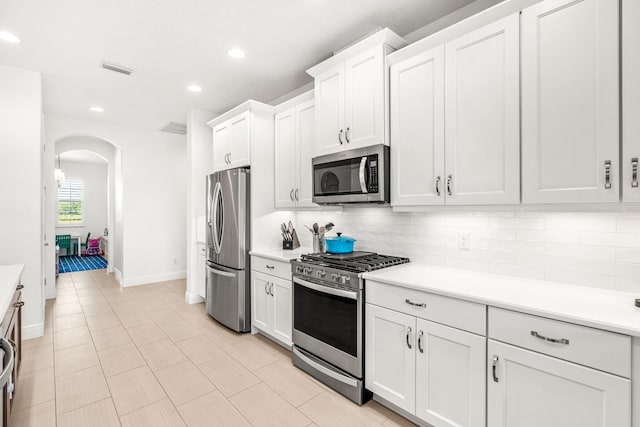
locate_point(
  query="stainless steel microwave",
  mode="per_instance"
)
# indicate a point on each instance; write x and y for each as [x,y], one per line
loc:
[352,176]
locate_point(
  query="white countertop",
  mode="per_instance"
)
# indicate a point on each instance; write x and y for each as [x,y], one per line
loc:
[9,279]
[281,254]
[598,308]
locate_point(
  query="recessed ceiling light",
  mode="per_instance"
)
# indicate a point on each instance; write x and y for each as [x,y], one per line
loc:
[96,108]
[236,53]
[194,88]
[8,37]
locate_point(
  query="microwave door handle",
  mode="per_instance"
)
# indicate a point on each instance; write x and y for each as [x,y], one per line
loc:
[363,167]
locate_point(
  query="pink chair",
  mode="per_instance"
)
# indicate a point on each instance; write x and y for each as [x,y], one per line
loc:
[93,247]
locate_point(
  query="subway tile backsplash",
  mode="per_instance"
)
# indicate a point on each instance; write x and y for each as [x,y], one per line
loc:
[591,249]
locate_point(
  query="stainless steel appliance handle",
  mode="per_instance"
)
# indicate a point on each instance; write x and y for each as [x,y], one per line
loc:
[555,340]
[216,194]
[220,272]
[363,166]
[9,357]
[326,289]
[328,372]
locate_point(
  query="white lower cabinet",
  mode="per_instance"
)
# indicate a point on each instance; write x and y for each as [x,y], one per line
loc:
[271,300]
[201,277]
[529,389]
[429,370]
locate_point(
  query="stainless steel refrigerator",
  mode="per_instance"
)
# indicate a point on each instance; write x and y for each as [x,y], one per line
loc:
[228,241]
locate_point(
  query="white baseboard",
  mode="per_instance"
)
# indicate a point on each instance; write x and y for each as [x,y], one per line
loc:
[32,331]
[118,274]
[125,282]
[192,298]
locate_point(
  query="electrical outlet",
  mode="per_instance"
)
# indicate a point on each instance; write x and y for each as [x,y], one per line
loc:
[464,241]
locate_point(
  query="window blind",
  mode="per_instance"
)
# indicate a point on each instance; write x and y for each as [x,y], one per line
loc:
[70,197]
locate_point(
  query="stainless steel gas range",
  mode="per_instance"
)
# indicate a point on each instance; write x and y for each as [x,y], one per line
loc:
[328,317]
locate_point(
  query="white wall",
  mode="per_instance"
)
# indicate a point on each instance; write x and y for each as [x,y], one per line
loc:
[95,181]
[20,187]
[592,249]
[150,177]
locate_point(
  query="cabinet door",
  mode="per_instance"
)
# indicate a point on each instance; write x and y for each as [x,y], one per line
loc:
[570,127]
[631,100]
[364,99]
[201,277]
[450,376]
[390,355]
[417,130]
[286,161]
[329,124]
[240,140]
[533,390]
[305,132]
[482,103]
[282,326]
[261,301]
[221,144]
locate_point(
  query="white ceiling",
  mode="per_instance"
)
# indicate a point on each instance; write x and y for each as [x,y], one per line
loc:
[173,43]
[80,156]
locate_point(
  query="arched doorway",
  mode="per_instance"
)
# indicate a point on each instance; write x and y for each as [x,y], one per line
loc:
[111,154]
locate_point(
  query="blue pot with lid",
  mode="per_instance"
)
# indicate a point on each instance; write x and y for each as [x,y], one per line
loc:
[339,244]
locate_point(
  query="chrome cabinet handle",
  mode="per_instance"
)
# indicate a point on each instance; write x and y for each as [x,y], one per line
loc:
[420,336]
[555,340]
[407,336]
[346,135]
[494,366]
[265,288]
[270,267]
[18,304]
[291,194]
[416,304]
[19,287]
[607,174]
[340,136]
[449,180]
[634,172]
[438,185]
[296,194]
[270,289]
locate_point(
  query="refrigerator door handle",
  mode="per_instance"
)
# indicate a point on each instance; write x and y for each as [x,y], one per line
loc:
[217,239]
[220,272]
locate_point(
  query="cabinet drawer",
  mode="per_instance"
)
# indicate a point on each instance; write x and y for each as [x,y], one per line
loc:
[607,351]
[465,315]
[268,266]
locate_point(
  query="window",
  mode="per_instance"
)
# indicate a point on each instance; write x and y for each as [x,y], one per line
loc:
[70,202]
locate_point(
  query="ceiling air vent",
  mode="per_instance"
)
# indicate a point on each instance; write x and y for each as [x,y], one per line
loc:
[173,127]
[117,68]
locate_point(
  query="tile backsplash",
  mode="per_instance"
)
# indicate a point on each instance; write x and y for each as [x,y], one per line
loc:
[591,249]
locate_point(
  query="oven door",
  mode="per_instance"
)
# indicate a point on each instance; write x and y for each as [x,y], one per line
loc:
[327,322]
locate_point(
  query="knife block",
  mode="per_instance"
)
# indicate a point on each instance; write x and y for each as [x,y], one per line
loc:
[294,243]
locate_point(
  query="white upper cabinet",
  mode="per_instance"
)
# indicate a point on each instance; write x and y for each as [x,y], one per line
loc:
[570,96]
[351,94]
[455,126]
[417,129]
[294,138]
[482,129]
[630,100]
[232,133]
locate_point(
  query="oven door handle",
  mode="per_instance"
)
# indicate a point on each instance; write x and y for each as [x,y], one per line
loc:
[326,289]
[363,166]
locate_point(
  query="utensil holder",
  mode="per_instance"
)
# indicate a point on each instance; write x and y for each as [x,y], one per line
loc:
[318,243]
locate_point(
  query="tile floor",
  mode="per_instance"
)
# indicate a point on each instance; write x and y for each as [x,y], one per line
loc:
[141,356]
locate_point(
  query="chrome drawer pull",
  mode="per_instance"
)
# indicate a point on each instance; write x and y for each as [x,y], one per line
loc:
[407,336]
[18,304]
[416,304]
[340,136]
[634,172]
[449,180]
[494,366]
[420,336]
[437,185]
[270,267]
[556,340]
[607,174]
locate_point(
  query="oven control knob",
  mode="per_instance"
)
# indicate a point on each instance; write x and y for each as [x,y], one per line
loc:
[345,279]
[335,276]
[320,274]
[308,270]
[299,269]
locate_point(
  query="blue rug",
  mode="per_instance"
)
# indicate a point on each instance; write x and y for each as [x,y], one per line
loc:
[71,263]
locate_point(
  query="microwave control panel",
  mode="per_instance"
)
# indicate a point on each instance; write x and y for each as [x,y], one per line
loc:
[373,175]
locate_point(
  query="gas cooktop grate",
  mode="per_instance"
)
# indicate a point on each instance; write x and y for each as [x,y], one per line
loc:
[367,262]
